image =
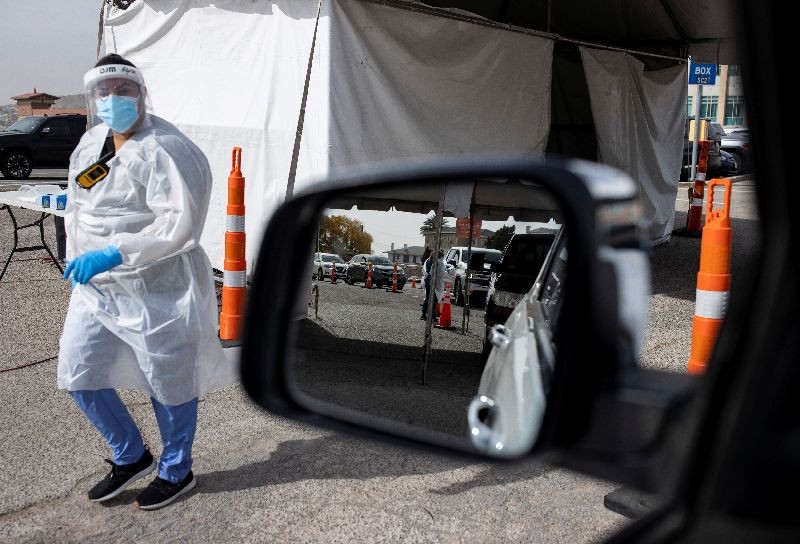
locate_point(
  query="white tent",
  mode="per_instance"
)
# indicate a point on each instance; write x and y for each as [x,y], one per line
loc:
[395,80]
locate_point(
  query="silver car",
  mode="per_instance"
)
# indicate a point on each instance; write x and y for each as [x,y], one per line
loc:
[520,365]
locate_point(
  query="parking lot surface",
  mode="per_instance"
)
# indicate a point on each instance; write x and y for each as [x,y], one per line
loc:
[262,478]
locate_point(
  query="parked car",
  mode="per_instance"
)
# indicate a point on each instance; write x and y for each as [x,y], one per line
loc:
[39,141]
[458,258]
[715,134]
[737,143]
[728,165]
[323,263]
[513,276]
[530,323]
[382,271]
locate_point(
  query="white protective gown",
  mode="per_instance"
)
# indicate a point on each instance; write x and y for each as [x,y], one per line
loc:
[154,327]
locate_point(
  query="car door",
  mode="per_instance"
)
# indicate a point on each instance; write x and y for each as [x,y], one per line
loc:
[359,268]
[55,143]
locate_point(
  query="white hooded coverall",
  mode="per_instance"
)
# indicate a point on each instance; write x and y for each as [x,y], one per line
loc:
[153,325]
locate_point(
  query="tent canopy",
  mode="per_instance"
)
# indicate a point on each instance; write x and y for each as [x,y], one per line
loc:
[703,29]
[492,200]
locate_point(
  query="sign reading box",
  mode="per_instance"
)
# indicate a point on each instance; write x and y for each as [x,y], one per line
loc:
[702,74]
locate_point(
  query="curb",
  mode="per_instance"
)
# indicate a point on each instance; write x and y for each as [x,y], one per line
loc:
[629,502]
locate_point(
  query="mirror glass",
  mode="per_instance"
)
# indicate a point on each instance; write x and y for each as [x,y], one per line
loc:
[470,363]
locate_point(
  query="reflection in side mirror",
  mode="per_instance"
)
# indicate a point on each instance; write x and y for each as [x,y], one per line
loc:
[476,261]
[45,131]
[382,350]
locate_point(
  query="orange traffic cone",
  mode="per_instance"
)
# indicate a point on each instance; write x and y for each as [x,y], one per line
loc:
[713,280]
[413,283]
[333,273]
[445,321]
[694,219]
[234,286]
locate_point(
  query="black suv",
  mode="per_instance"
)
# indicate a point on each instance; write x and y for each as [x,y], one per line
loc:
[39,141]
[382,270]
[514,275]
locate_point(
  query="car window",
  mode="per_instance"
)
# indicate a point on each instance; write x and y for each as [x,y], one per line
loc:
[383,261]
[27,124]
[526,254]
[550,295]
[58,127]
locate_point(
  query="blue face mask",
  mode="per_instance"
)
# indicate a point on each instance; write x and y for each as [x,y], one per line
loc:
[118,112]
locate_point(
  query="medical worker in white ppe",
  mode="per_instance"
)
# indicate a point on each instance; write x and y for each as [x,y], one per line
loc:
[143,311]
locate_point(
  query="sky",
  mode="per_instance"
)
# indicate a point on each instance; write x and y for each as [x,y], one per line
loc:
[47,44]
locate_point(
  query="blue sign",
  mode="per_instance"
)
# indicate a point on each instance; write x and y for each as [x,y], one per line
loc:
[702,74]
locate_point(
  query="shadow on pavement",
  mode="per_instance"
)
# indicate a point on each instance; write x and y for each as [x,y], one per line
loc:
[331,457]
[498,475]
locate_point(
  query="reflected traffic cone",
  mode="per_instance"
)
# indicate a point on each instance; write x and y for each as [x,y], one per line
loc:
[333,273]
[413,283]
[444,314]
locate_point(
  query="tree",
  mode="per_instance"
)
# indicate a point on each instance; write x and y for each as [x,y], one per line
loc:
[429,225]
[499,239]
[344,236]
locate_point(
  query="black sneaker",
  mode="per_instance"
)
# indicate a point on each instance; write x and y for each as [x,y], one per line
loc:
[121,476]
[161,492]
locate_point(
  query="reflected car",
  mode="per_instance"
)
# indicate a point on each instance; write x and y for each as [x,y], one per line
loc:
[323,263]
[521,355]
[514,274]
[458,258]
[382,271]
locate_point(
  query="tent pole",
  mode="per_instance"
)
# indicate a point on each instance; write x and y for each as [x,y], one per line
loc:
[437,244]
[301,118]
[466,311]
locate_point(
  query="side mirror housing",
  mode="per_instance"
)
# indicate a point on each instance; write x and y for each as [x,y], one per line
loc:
[586,403]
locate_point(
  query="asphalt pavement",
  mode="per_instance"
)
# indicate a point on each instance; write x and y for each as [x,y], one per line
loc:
[262,478]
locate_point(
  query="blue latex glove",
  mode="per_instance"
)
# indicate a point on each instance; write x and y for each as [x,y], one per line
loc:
[86,266]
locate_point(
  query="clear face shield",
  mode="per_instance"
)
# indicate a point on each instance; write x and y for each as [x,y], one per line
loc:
[116,95]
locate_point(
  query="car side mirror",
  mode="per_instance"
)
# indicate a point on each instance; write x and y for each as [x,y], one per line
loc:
[560,375]
[45,131]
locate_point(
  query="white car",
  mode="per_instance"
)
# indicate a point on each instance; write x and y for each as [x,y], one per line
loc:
[520,365]
[458,258]
[323,263]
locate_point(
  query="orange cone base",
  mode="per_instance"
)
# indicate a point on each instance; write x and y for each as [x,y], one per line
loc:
[230,326]
[704,336]
[445,321]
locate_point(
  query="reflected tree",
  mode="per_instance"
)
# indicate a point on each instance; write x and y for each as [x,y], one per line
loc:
[343,236]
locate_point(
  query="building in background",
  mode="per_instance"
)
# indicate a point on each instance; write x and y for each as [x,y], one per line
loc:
[722,102]
[449,238]
[406,255]
[37,103]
